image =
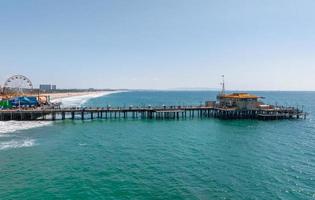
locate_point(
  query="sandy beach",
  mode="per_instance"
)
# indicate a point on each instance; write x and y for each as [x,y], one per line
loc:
[76,98]
[59,96]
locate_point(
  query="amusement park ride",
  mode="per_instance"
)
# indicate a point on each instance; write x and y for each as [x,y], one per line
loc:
[18,91]
[17,85]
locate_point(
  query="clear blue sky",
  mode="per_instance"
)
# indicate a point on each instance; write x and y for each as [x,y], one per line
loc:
[160,44]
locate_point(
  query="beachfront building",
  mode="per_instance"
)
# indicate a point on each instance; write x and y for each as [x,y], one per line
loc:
[47,87]
[242,101]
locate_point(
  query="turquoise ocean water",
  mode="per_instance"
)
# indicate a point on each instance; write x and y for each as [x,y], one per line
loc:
[171,159]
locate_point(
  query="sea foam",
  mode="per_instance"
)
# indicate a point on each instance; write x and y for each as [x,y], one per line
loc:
[13,144]
[12,126]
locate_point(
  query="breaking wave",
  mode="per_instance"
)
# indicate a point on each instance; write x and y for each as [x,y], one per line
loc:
[13,144]
[12,126]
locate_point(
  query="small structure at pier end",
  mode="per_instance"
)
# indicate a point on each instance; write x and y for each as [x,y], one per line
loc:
[238,101]
[249,106]
[242,101]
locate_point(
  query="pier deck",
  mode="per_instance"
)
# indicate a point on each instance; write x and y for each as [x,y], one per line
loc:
[171,112]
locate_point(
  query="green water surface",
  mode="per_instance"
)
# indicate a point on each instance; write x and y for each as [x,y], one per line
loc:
[175,159]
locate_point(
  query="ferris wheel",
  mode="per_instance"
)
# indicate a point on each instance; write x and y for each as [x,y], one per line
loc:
[17,85]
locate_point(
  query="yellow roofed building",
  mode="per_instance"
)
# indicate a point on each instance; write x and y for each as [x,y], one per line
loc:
[243,101]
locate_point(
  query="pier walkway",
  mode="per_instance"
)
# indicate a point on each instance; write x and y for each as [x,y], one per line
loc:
[159,113]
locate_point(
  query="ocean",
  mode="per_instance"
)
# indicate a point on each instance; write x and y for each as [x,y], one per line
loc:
[161,159]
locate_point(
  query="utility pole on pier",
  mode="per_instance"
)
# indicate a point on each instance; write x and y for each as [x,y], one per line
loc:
[223,86]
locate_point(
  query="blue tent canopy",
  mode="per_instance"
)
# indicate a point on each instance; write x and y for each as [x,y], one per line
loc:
[24,101]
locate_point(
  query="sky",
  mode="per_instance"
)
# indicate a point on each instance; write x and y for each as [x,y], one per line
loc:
[160,44]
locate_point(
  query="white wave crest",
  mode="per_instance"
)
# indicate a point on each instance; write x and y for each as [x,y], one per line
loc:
[12,126]
[13,144]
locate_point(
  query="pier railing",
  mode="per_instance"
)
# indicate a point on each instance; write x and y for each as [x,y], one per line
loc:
[149,112]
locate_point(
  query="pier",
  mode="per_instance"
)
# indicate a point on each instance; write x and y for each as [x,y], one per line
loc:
[157,113]
[15,105]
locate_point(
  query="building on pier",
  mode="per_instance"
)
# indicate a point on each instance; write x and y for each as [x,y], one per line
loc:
[241,101]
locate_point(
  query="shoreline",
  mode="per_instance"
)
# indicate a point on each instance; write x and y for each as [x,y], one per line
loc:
[77,98]
[64,95]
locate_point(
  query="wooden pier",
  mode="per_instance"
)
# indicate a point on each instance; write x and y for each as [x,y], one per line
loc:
[158,113]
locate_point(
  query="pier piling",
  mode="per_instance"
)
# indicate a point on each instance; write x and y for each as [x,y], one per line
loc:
[152,113]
